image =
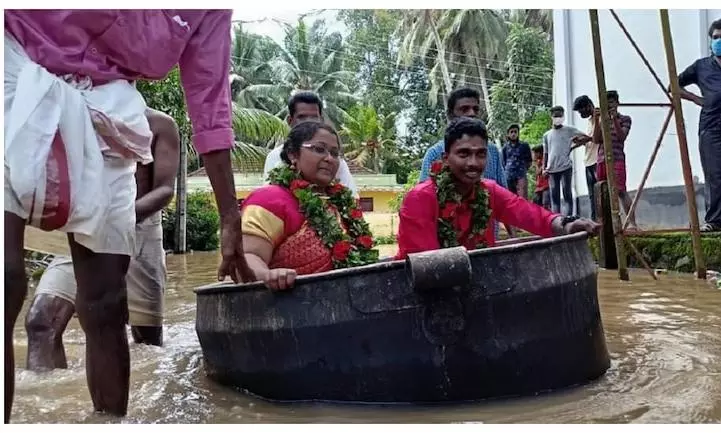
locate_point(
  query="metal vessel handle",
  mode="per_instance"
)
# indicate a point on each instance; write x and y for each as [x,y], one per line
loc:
[445,269]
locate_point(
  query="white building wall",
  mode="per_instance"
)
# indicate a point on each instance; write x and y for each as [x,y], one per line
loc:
[626,73]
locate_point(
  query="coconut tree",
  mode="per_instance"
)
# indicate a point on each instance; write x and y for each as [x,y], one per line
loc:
[474,40]
[251,72]
[256,132]
[311,59]
[368,137]
[423,39]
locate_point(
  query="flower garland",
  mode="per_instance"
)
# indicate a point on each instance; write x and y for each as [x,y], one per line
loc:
[449,200]
[353,248]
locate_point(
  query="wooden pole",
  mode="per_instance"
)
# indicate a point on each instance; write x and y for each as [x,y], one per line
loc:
[607,146]
[683,145]
[180,246]
[646,173]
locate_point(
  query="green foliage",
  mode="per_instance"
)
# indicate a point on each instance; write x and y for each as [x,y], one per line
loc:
[672,251]
[396,202]
[526,90]
[532,131]
[202,224]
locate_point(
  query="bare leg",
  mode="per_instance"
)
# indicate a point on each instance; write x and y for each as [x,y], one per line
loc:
[45,323]
[16,289]
[152,335]
[102,308]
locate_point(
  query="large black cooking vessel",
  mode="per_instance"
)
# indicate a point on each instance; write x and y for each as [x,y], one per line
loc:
[440,327]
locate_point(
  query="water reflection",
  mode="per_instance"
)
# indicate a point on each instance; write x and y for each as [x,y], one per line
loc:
[664,338]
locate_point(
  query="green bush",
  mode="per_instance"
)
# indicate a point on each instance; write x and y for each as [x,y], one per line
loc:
[671,251]
[202,223]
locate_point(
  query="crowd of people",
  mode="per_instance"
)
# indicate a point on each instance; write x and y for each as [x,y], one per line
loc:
[116,160]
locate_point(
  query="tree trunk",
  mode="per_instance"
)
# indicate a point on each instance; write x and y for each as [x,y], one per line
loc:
[441,57]
[484,87]
[181,201]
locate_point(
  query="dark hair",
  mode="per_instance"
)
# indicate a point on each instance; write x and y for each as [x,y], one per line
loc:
[463,92]
[581,101]
[716,25]
[461,126]
[513,126]
[305,97]
[612,94]
[301,133]
[538,149]
[557,109]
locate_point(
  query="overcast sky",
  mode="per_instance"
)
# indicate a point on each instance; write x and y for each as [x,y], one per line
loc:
[264,24]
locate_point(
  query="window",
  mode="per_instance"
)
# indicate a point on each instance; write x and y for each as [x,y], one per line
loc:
[366,204]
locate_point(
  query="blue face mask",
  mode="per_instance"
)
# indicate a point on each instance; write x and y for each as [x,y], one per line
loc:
[716,47]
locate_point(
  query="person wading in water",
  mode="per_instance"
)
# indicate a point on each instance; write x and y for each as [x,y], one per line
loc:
[54,303]
[75,128]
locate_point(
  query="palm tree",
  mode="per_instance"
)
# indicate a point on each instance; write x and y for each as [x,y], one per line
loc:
[251,72]
[474,38]
[541,18]
[311,59]
[369,137]
[421,37]
[256,132]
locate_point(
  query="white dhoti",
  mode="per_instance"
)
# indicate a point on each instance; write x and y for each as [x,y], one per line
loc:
[71,151]
[145,279]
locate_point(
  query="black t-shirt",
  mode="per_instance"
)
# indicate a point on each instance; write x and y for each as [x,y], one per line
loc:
[706,74]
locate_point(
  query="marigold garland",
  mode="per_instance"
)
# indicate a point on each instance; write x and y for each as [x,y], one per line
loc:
[348,249]
[449,199]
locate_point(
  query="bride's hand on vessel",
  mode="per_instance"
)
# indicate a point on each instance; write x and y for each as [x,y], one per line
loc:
[279,278]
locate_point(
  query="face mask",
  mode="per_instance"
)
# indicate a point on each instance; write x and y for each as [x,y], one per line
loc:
[716,47]
[557,121]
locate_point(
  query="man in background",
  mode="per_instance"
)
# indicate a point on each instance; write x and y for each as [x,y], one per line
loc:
[620,128]
[517,160]
[706,74]
[587,110]
[557,159]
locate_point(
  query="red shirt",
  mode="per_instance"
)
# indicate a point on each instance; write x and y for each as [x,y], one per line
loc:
[541,180]
[418,227]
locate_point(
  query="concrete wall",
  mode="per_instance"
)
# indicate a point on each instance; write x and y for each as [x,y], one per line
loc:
[625,72]
[660,207]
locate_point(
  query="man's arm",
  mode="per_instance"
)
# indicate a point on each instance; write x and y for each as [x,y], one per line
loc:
[513,210]
[428,159]
[417,227]
[204,68]
[686,78]
[166,154]
[545,151]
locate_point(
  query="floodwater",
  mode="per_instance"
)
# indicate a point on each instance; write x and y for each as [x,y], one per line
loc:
[664,338]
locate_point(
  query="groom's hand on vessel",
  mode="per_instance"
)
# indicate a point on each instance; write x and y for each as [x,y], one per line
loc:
[233,262]
[571,224]
[279,278]
[583,225]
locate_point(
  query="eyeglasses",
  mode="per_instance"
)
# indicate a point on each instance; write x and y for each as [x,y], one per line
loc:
[321,150]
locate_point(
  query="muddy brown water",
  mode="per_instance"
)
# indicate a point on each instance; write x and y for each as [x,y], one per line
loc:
[664,338]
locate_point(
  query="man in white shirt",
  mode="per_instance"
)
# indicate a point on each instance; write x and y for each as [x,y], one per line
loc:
[305,106]
[585,107]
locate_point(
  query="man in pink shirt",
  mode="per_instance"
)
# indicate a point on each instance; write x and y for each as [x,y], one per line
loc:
[70,101]
[456,207]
